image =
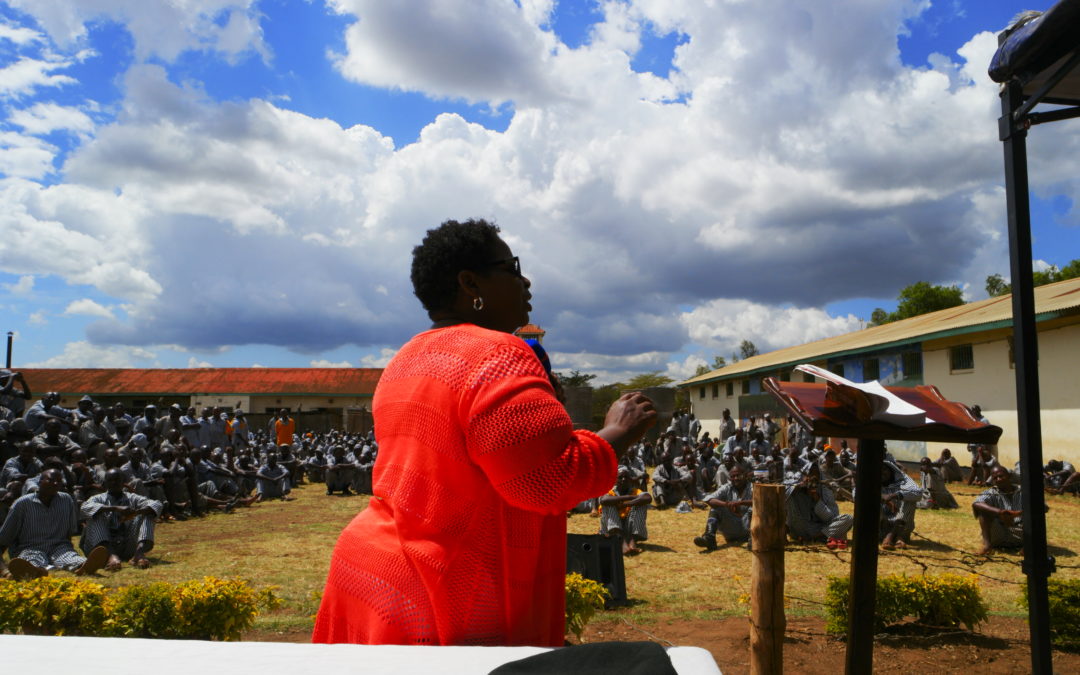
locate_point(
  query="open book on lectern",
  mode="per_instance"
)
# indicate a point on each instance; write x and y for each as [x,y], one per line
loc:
[868,401]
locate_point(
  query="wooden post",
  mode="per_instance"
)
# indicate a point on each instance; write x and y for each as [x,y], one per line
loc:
[767,621]
[864,558]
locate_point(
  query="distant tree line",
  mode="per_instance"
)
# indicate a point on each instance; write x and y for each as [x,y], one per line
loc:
[996,285]
[923,297]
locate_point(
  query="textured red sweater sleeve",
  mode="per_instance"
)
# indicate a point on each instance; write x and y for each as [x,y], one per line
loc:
[524,441]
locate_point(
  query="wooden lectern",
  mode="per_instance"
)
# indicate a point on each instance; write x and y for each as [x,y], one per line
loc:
[827,410]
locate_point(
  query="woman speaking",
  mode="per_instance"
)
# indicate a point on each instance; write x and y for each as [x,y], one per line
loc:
[464,540]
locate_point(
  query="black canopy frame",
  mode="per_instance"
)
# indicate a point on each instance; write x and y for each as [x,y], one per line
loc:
[1037,64]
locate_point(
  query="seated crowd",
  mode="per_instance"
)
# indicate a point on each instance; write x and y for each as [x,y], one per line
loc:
[108,477]
[694,470]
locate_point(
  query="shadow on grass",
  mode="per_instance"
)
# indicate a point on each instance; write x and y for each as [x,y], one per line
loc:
[921,543]
[1060,551]
[655,548]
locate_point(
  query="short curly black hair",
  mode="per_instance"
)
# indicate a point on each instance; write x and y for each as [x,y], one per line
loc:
[446,250]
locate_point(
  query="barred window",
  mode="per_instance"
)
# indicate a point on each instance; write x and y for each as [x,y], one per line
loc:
[746,386]
[730,388]
[912,364]
[961,357]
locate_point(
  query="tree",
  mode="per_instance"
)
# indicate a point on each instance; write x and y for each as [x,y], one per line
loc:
[747,349]
[996,286]
[646,380]
[576,378]
[718,362]
[920,297]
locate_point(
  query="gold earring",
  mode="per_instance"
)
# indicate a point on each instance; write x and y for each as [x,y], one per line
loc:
[478,303]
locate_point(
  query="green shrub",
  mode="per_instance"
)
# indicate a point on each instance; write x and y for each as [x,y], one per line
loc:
[583,598]
[1064,597]
[144,611]
[946,600]
[219,609]
[52,606]
[208,609]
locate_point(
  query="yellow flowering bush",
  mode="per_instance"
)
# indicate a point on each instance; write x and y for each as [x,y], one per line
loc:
[220,609]
[583,598]
[946,600]
[52,606]
[208,608]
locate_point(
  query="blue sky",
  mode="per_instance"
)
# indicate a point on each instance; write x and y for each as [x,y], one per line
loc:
[237,183]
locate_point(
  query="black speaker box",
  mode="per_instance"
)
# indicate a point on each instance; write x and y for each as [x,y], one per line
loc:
[600,559]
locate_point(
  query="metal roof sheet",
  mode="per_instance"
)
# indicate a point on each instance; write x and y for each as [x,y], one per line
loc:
[1051,301]
[185,381]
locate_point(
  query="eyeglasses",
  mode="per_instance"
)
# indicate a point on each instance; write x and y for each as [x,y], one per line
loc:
[515,264]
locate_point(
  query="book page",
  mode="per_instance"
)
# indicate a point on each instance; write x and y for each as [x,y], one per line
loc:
[885,405]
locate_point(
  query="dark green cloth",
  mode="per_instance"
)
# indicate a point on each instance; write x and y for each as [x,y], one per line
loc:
[601,658]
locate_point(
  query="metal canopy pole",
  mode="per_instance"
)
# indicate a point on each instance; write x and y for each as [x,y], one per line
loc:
[859,658]
[1037,564]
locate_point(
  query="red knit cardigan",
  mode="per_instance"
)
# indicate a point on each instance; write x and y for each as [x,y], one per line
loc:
[464,540]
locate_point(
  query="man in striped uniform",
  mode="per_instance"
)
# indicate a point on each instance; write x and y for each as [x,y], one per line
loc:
[121,521]
[999,512]
[812,514]
[730,511]
[38,531]
[623,511]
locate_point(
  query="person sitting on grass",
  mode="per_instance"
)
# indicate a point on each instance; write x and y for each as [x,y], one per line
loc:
[1061,477]
[999,511]
[272,480]
[670,483]
[935,494]
[982,464]
[950,468]
[730,510]
[315,466]
[38,529]
[899,493]
[289,460]
[121,521]
[623,511]
[812,514]
[339,472]
[835,476]
[20,467]
[246,469]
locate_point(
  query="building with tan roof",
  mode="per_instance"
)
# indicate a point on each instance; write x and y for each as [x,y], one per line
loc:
[964,351]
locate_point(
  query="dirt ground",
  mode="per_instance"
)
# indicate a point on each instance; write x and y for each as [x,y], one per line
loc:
[999,647]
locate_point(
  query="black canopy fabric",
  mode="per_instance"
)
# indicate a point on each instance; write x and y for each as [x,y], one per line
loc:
[1036,46]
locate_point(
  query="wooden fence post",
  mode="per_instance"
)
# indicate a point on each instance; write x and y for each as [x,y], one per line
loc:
[767,621]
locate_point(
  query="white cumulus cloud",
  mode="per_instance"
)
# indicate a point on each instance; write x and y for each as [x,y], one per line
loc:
[325,363]
[82,354]
[88,307]
[23,286]
[43,118]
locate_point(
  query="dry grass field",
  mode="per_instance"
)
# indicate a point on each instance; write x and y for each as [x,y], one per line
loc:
[671,584]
